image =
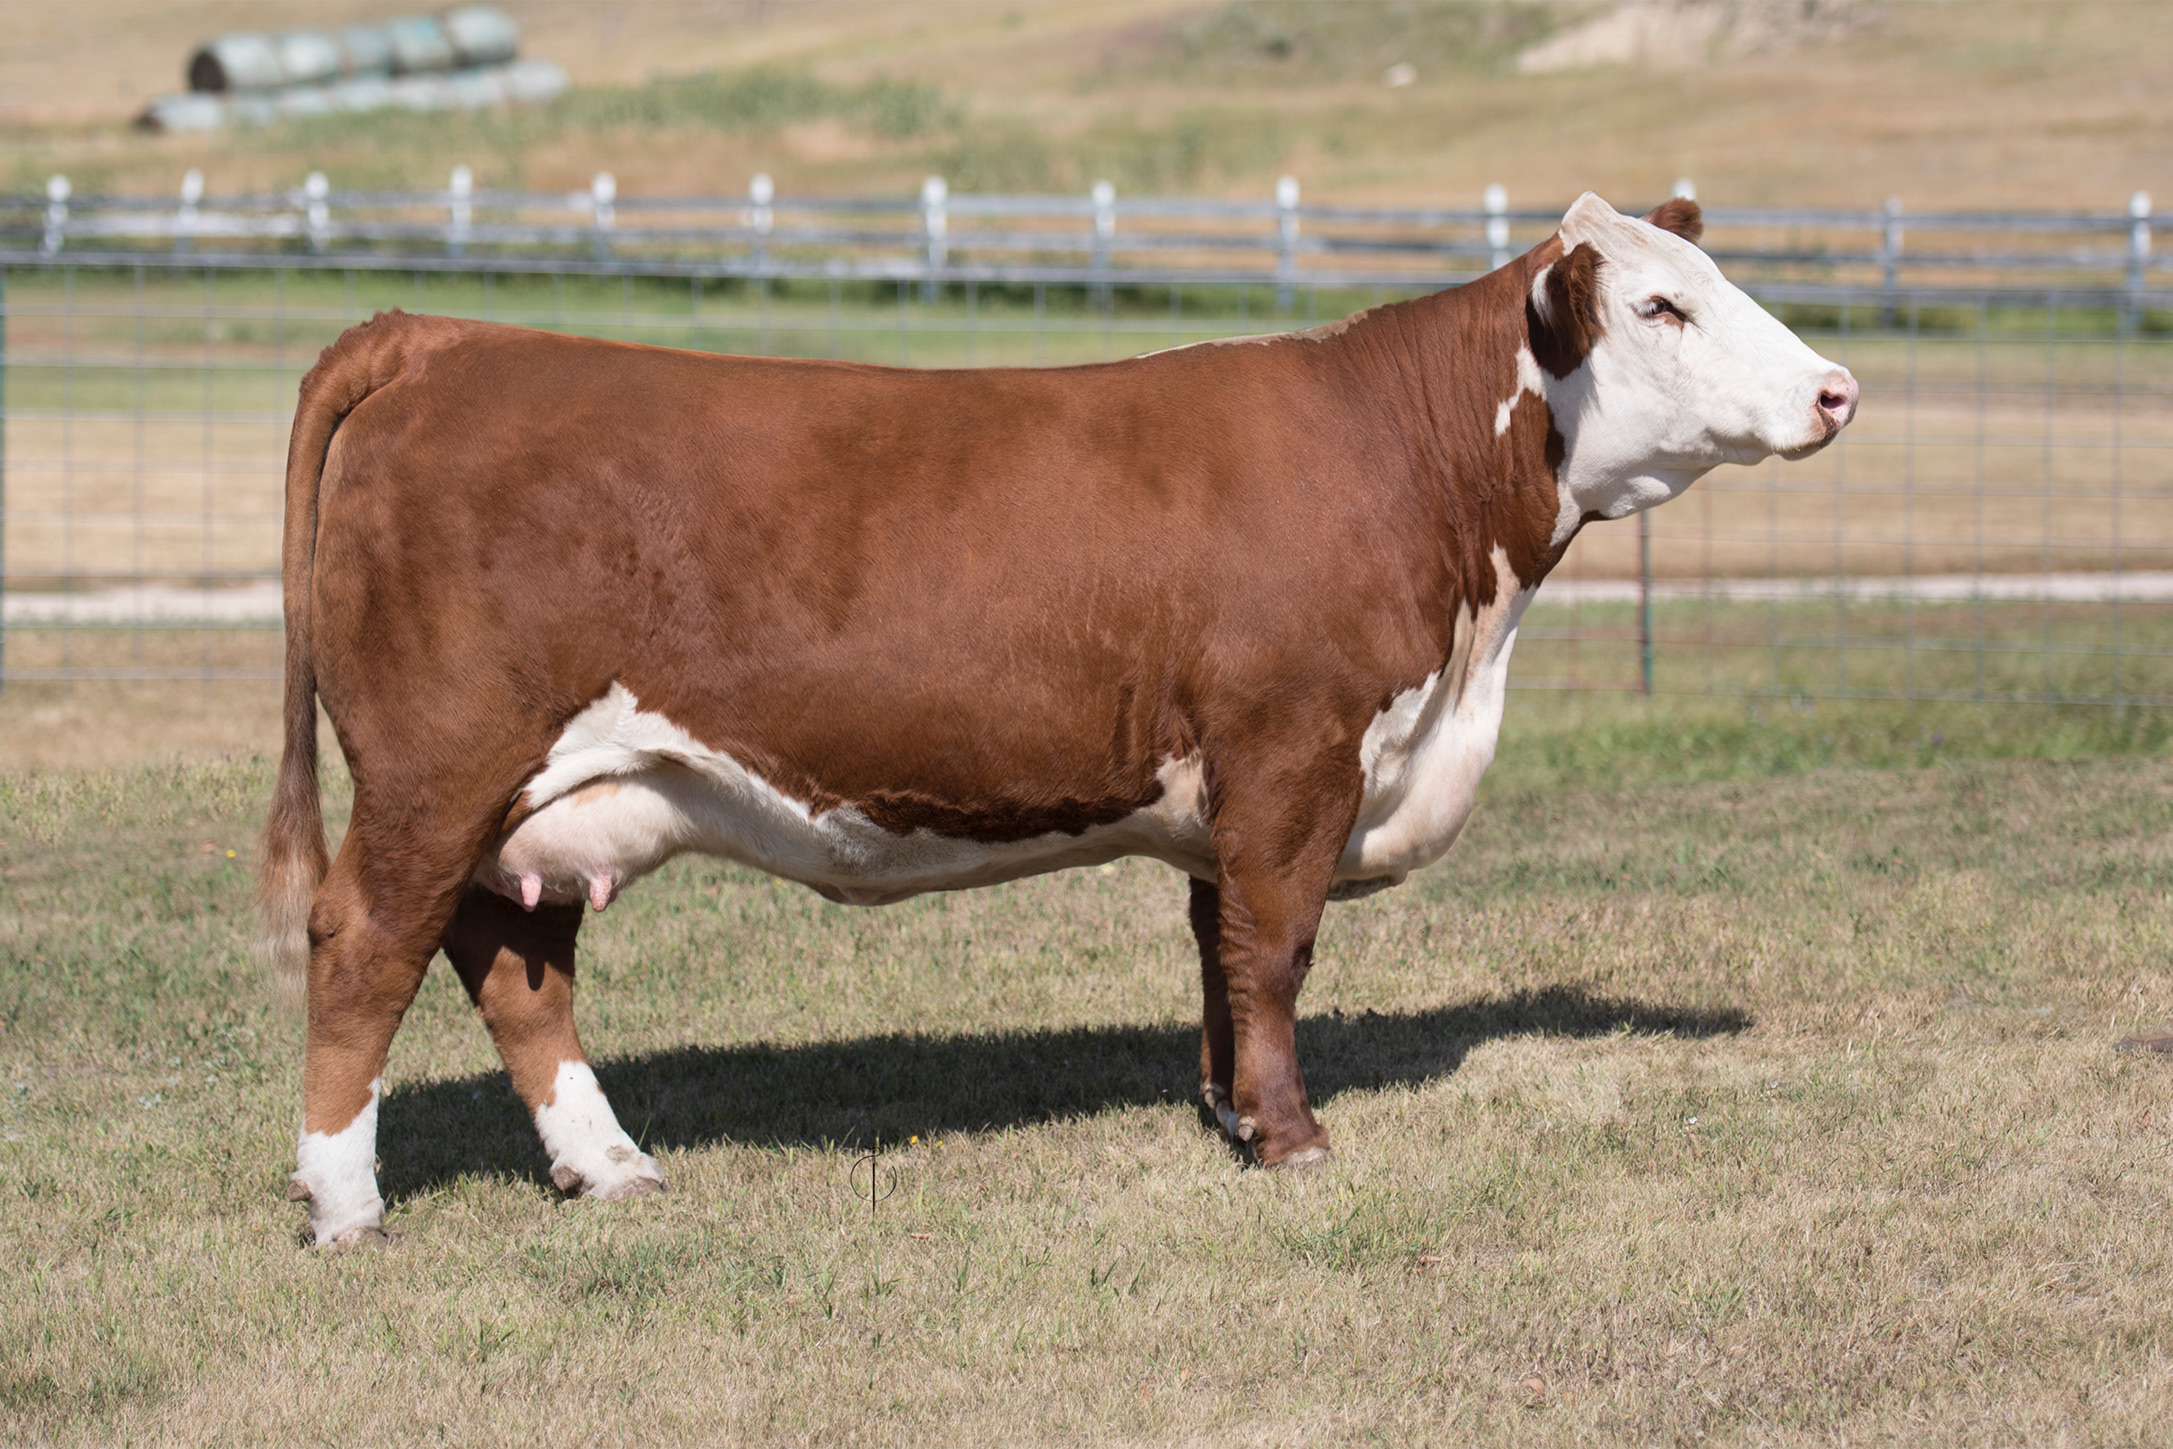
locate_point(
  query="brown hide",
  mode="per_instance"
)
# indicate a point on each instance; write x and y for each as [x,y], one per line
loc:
[988,603]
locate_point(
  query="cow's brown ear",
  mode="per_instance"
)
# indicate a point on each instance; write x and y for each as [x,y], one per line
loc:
[1680,215]
[1563,312]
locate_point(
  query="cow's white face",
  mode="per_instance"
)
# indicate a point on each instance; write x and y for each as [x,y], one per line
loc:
[1685,373]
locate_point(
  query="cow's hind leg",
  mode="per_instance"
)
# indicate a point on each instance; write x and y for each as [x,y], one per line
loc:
[518,968]
[370,943]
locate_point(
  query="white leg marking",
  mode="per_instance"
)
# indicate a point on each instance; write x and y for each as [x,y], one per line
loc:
[590,1153]
[336,1172]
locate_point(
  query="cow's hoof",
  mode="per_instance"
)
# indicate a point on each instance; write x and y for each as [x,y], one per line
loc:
[1305,1159]
[623,1172]
[359,1225]
[1238,1129]
[646,1185]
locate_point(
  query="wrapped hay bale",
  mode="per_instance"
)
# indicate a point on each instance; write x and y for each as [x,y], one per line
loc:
[463,59]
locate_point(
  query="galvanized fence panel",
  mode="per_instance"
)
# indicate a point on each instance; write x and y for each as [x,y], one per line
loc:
[1995,526]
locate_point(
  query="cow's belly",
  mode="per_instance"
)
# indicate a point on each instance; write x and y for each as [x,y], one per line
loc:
[627,789]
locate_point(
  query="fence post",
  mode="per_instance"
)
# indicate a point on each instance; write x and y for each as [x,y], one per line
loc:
[1890,254]
[460,211]
[1286,260]
[1105,227]
[192,191]
[2138,258]
[56,214]
[761,191]
[1497,226]
[318,191]
[3,476]
[603,191]
[935,223]
[1644,602]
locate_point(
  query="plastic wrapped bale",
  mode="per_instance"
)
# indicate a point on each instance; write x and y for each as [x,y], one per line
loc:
[190,111]
[363,93]
[308,57]
[534,80]
[475,90]
[244,61]
[419,45]
[364,51]
[420,93]
[306,101]
[481,34]
[252,108]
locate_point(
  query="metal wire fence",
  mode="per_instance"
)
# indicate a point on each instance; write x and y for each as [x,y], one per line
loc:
[1995,526]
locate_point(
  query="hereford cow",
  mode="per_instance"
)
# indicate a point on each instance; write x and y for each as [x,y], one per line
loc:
[574,607]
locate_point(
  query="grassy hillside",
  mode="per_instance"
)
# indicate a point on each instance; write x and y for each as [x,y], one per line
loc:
[1945,103]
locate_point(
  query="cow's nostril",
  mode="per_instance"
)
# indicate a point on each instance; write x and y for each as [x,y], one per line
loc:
[1837,401]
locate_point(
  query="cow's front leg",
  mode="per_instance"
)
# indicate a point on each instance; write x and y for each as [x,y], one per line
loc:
[1217,1046]
[518,968]
[1275,865]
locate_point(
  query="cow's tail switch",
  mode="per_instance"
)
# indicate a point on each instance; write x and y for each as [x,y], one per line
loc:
[295,859]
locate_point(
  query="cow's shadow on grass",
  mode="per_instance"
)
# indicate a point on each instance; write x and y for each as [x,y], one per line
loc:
[885,1087]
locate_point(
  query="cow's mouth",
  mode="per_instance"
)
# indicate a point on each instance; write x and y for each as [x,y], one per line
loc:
[1835,410]
[1797,455]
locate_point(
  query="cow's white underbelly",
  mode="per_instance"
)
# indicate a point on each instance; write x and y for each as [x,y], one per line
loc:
[626,789]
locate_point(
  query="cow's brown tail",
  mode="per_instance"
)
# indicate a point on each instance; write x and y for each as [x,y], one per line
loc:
[295,859]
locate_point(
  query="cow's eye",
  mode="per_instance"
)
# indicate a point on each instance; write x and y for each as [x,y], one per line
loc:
[1657,307]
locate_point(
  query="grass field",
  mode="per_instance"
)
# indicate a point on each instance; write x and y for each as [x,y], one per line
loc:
[1736,1080]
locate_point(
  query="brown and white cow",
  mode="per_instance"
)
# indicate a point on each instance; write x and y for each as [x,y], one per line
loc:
[576,606]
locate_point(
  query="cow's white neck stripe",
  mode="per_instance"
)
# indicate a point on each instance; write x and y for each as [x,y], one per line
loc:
[1528,381]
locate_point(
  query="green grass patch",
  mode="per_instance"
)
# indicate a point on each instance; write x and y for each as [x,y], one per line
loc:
[1714,1087]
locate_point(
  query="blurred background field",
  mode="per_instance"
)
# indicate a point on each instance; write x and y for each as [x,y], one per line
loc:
[1992,103]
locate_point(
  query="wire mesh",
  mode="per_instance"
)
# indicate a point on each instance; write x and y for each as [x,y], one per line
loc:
[1993,527]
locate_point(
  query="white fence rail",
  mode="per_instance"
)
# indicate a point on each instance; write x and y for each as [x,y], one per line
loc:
[940,233]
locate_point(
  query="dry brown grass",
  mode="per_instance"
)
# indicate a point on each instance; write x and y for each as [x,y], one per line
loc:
[1775,1112]
[102,725]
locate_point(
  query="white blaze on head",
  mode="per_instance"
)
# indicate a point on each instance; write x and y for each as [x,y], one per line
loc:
[1687,373]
